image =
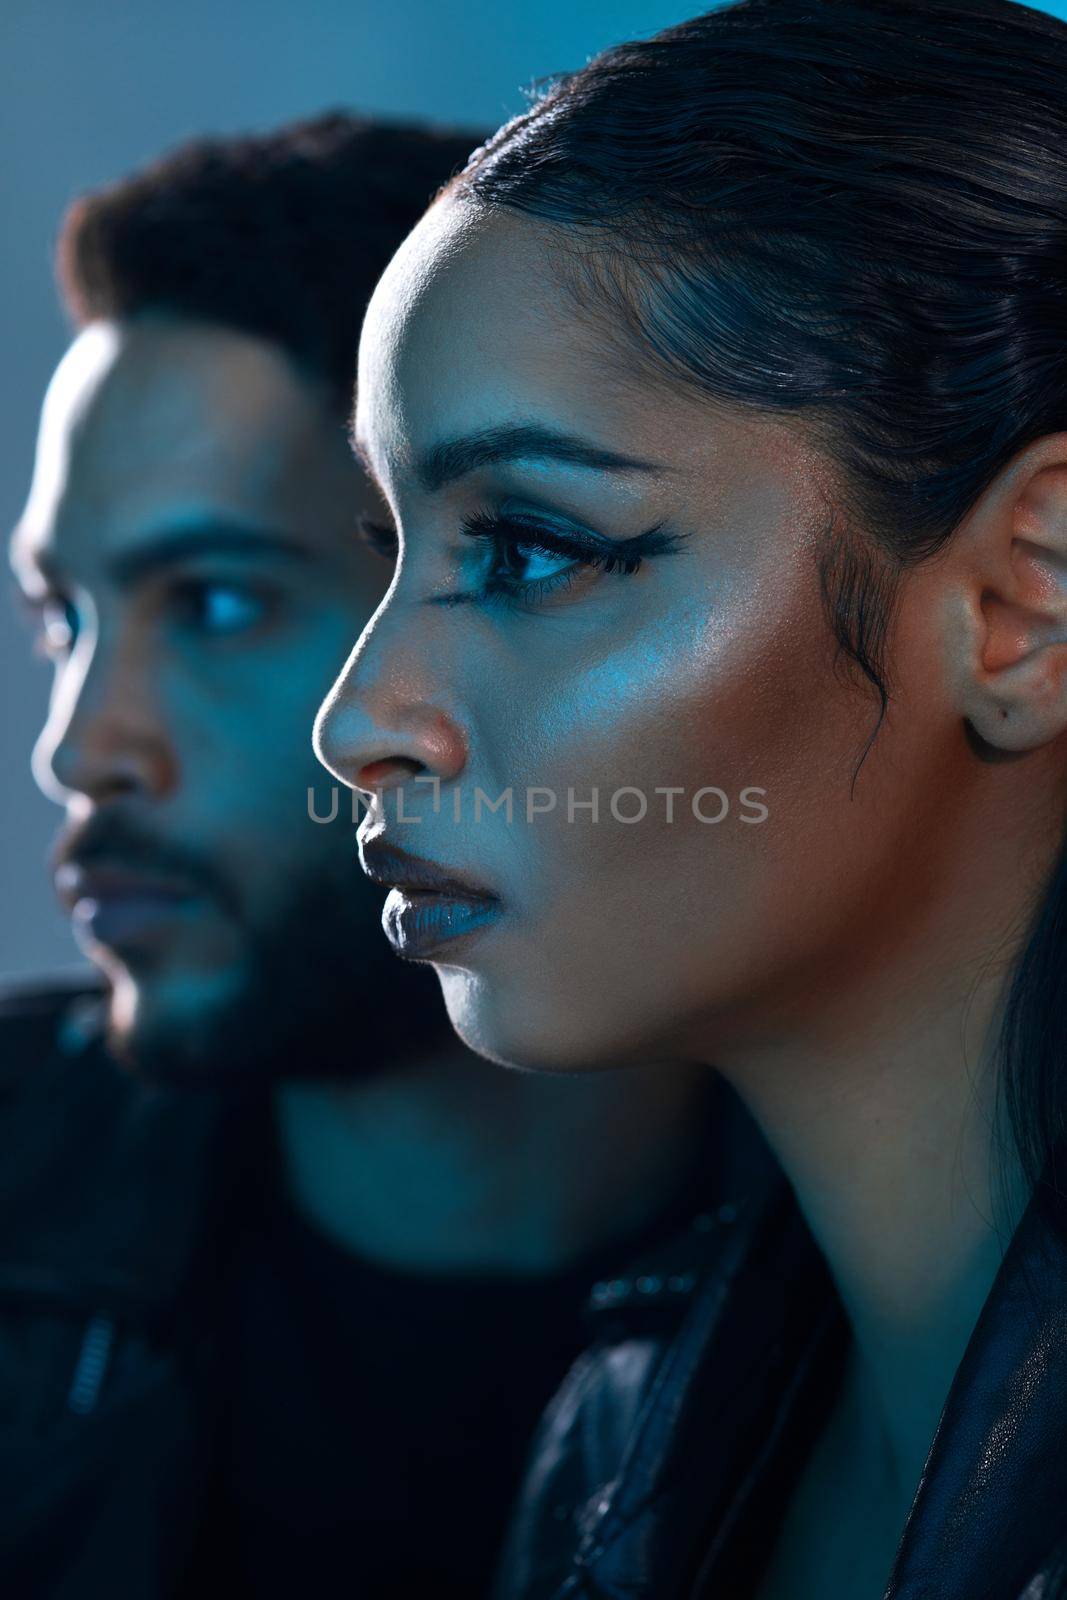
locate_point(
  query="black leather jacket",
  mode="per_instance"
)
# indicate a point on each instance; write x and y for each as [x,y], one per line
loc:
[106,1190]
[123,1211]
[671,1449]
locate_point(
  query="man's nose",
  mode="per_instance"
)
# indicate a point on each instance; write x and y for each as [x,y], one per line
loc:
[103,738]
[386,720]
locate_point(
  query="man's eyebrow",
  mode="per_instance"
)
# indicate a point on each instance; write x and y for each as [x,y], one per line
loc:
[451,459]
[214,538]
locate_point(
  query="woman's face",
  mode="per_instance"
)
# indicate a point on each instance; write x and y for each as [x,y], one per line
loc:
[511,439]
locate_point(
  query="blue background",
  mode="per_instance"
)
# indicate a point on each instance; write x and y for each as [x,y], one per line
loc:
[90,89]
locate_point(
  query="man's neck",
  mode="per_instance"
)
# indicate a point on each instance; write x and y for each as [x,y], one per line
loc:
[454,1165]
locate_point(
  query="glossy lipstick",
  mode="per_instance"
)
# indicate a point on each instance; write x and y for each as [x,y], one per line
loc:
[427,906]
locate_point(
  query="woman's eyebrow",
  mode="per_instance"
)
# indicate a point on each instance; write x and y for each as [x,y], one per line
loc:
[451,459]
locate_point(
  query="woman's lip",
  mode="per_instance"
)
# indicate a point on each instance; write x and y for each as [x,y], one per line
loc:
[395,868]
[418,922]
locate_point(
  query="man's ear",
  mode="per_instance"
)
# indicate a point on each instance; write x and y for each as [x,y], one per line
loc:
[1011,648]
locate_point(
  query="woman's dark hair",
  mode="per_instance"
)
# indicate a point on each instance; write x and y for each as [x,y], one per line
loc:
[282,234]
[853,210]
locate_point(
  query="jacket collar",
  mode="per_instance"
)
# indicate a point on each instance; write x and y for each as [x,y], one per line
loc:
[760,1317]
[764,1331]
[992,1503]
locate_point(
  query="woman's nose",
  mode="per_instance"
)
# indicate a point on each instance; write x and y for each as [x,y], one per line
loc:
[382,723]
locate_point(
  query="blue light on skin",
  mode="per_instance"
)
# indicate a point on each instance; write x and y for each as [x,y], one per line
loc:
[842,964]
[190,545]
[419,929]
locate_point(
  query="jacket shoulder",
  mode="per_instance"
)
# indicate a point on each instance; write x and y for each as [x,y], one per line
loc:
[104,1176]
[105,1436]
[35,1016]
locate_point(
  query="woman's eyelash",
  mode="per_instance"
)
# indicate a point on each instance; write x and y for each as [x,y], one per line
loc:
[512,536]
[509,533]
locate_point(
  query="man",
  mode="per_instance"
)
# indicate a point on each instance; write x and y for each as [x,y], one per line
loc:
[293,1333]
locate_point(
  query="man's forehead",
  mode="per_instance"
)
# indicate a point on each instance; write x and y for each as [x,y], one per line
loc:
[80,377]
[74,388]
[150,419]
[176,390]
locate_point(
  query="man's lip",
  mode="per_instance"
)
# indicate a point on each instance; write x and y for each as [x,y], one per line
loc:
[395,868]
[76,883]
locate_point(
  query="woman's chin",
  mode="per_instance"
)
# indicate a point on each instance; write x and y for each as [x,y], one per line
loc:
[530,1031]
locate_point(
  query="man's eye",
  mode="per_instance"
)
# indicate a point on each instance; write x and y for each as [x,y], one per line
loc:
[218,608]
[58,629]
[380,536]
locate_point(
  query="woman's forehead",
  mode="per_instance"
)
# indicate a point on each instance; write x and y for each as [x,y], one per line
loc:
[468,282]
[473,333]
[473,328]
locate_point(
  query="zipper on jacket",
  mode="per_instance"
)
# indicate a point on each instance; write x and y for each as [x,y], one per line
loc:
[91,1366]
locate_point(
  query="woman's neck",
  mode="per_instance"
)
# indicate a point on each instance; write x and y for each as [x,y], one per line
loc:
[874,1079]
[890,1150]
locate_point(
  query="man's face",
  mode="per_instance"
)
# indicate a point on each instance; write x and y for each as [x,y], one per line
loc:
[190,541]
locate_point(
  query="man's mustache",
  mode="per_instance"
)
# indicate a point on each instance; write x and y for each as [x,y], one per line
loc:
[109,839]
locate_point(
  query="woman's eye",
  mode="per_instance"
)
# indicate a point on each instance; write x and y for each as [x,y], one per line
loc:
[529,565]
[218,608]
[524,562]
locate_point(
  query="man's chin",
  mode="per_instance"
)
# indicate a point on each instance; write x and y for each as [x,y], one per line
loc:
[316,994]
[251,1026]
[185,1029]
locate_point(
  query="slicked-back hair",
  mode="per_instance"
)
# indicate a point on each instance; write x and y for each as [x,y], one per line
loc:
[852,213]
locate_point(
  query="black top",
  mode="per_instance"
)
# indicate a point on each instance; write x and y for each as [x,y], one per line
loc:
[375,1423]
[378,1422]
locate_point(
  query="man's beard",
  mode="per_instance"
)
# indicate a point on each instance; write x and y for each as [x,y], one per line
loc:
[319,993]
[323,997]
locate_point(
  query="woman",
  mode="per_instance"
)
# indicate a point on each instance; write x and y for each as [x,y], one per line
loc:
[721,407]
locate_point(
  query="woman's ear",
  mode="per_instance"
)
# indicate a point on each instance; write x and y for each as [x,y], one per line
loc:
[1011,648]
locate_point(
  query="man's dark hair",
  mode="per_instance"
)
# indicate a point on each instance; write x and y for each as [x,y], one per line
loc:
[282,234]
